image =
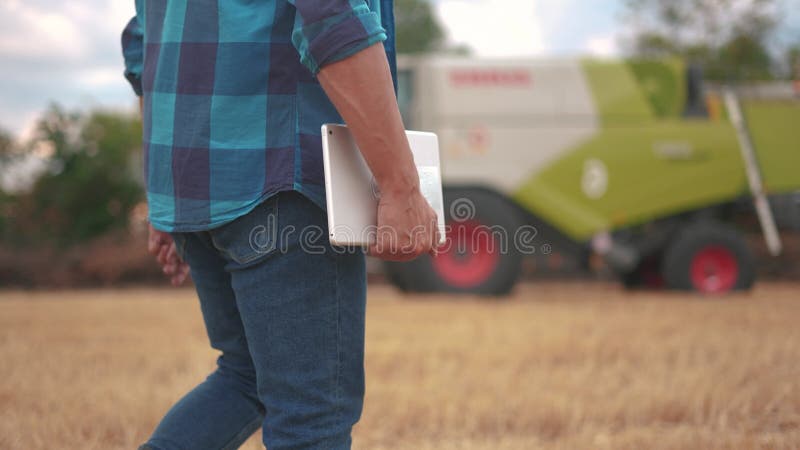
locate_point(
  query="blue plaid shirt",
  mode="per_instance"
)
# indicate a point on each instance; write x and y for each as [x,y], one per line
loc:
[232,107]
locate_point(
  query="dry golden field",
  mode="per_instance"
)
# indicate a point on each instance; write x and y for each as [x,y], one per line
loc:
[559,365]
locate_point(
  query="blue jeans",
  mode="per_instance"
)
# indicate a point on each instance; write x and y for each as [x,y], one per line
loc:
[286,311]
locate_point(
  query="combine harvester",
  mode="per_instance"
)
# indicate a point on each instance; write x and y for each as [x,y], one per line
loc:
[630,160]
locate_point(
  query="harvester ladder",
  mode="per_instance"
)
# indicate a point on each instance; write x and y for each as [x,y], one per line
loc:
[753,172]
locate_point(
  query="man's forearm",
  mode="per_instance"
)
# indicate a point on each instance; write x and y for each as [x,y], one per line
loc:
[361,89]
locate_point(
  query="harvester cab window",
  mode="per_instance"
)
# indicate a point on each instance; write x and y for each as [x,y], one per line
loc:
[695,97]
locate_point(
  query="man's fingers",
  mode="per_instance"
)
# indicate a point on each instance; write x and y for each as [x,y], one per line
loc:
[406,234]
[162,255]
[399,253]
[177,271]
[171,267]
[378,250]
[153,244]
[434,245]
[155,239]
[161,245]
[172,253]
[181,273]
[172,261]
[434,224]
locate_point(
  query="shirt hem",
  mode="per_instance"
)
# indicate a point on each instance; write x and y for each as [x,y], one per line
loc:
[312,194]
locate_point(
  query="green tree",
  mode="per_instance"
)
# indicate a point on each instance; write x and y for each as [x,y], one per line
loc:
[417,29]
[728,36]
[9,150]
[743,57]
[91,186]
[7,153]
[793,62]
[6,144]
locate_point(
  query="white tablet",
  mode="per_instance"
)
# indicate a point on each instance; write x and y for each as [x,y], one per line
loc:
[352,194]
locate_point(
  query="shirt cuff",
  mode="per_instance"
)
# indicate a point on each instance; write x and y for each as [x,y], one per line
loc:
[133,53]
[338,37]
[135,81]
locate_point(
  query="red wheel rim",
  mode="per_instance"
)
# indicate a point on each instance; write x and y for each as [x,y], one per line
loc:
[469,257]
[714,270]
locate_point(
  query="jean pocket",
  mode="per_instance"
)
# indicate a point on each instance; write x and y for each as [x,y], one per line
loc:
[251,236]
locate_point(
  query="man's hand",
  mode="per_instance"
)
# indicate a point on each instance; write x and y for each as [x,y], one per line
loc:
[161,245]
[360,86]
[407,227]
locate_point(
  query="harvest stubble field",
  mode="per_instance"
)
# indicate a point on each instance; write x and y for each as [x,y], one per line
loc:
[558,365]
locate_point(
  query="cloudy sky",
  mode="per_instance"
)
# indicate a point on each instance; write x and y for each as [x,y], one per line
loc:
[68,52]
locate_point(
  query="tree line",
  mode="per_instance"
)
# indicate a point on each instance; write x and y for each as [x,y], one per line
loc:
[733,40]
[88,185]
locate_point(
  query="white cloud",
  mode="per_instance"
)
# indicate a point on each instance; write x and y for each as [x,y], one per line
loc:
[499,28]
[556,14]
[68,52]
[38,33]
[603,46]
[97,77]
[494,27]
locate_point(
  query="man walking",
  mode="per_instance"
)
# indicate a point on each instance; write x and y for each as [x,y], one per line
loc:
[233,96]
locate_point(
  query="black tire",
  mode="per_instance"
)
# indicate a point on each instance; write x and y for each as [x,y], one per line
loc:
[708,257]
[647,275]
[487,209]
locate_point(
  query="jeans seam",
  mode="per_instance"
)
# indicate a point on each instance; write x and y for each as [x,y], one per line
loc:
[154,442]
[237,435]
[338,343]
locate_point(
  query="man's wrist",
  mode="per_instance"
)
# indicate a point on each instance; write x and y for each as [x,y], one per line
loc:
[400,185]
